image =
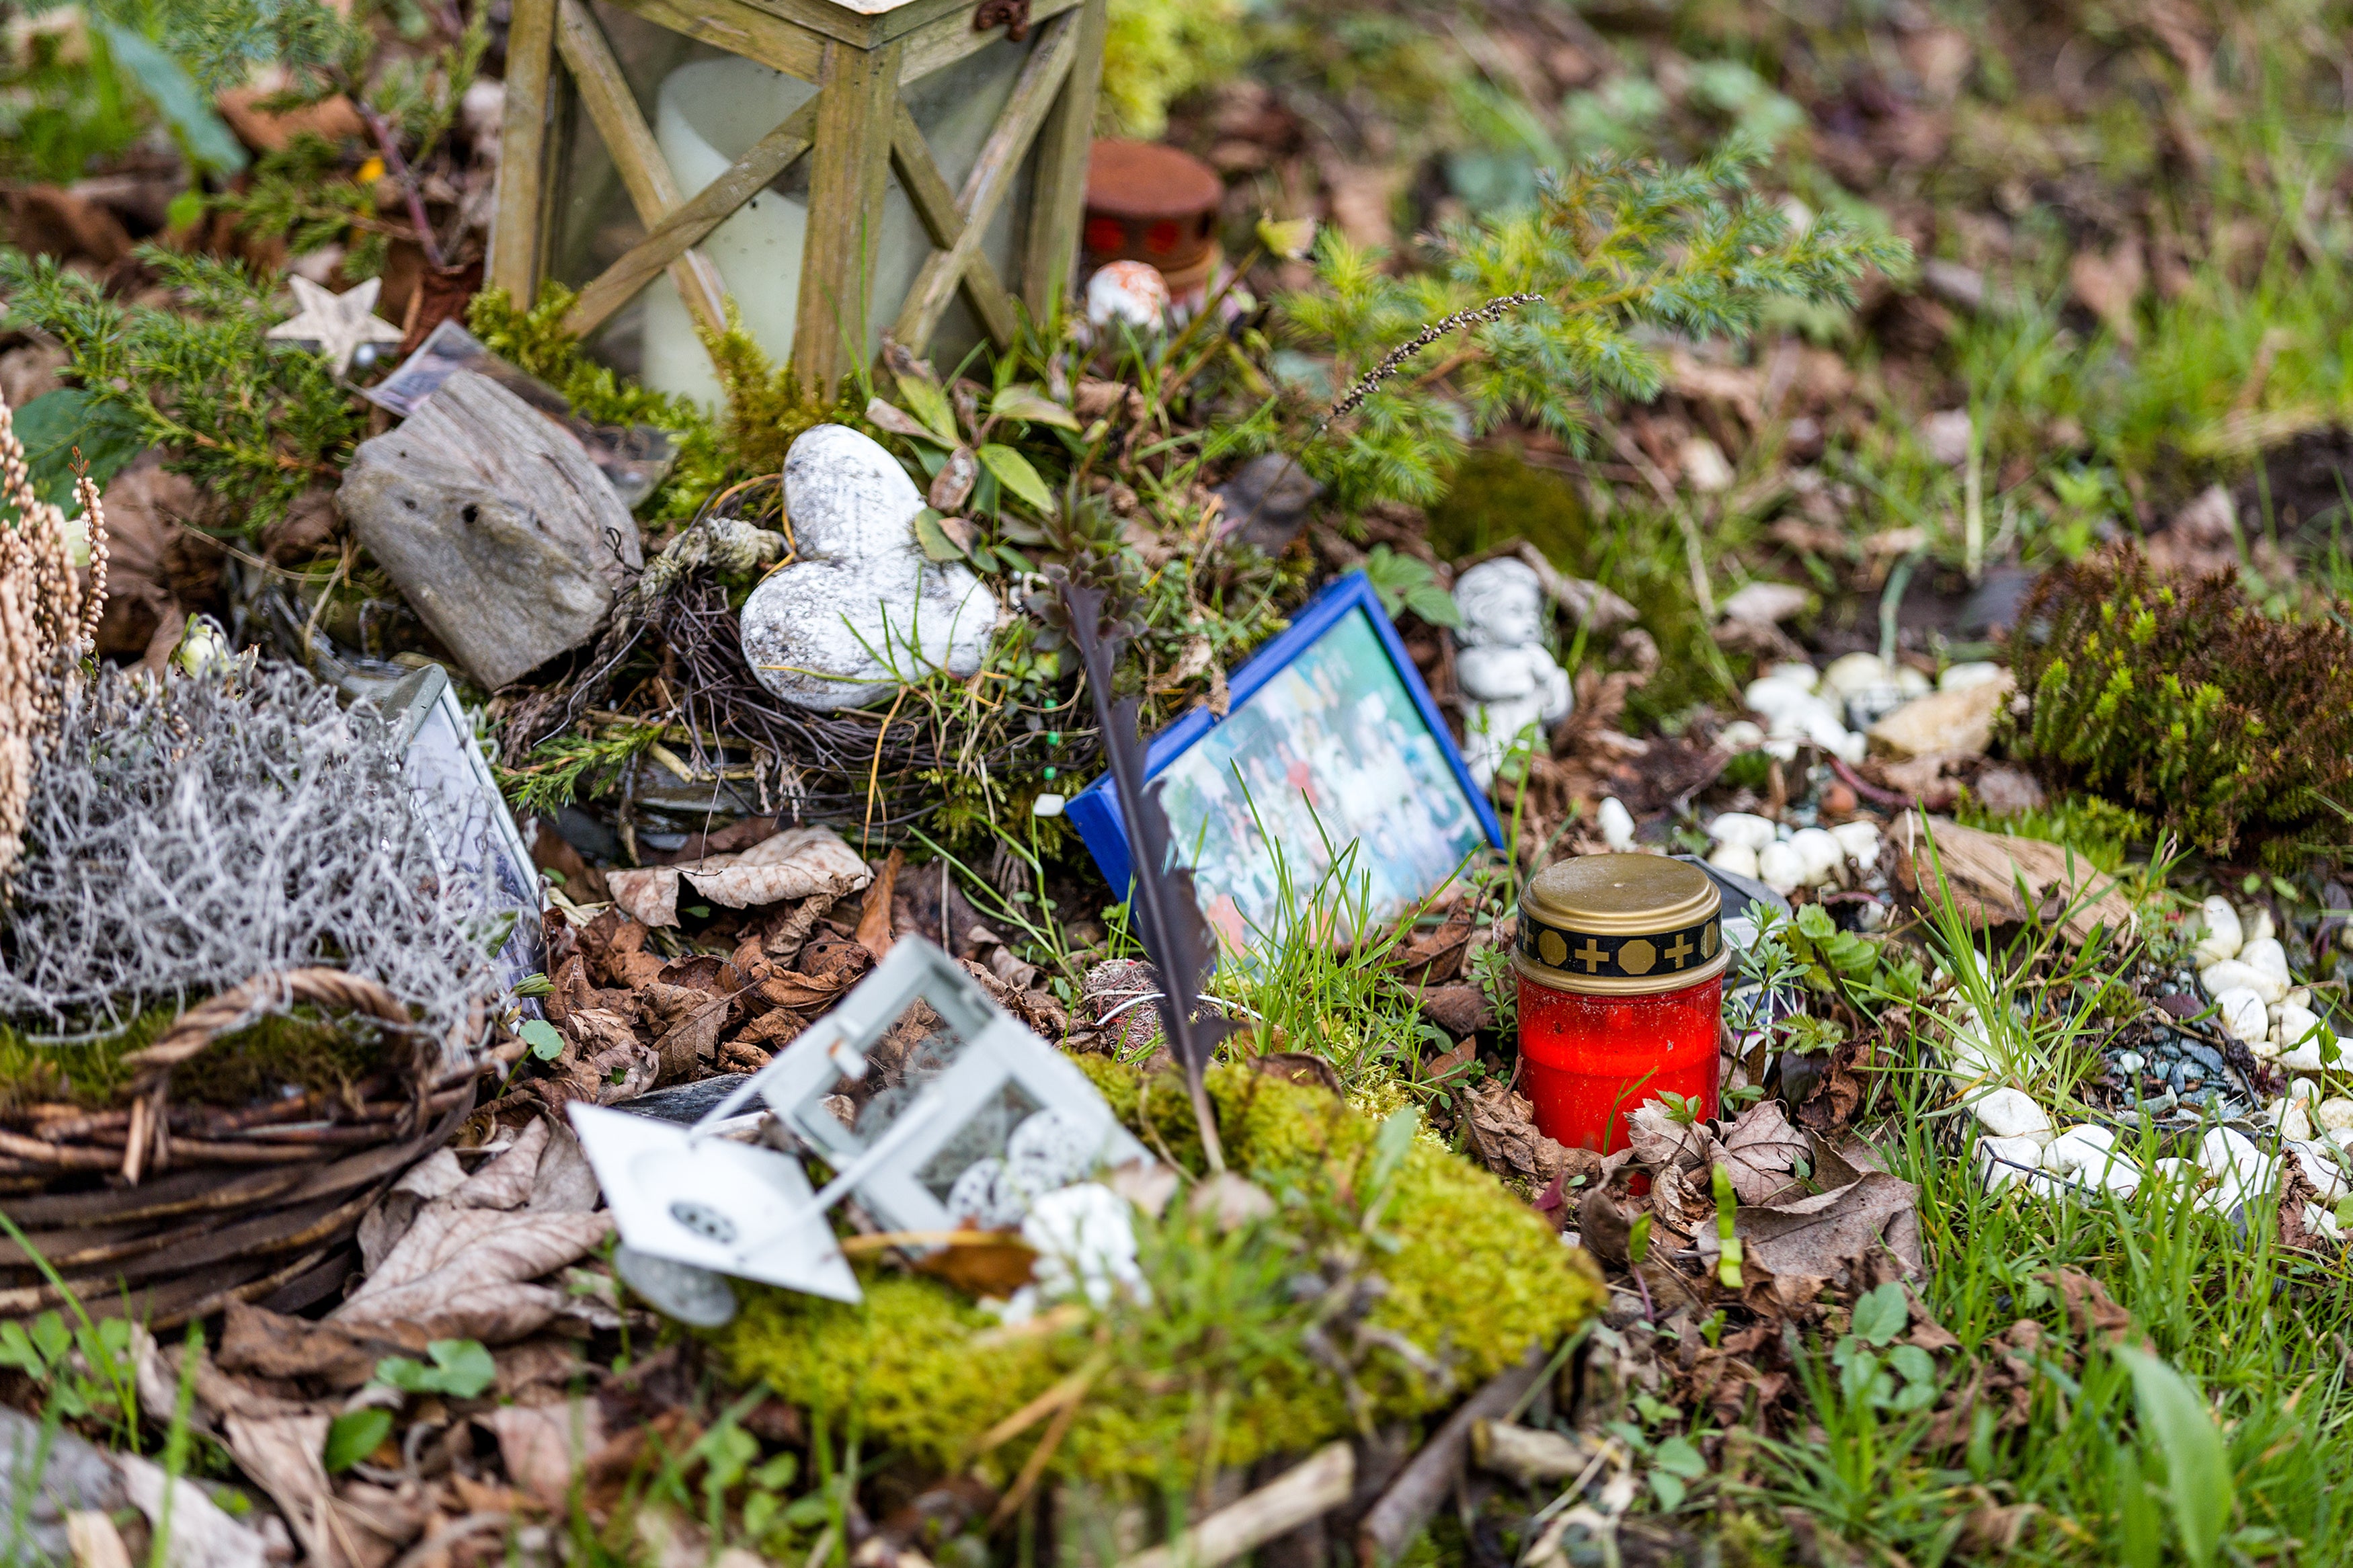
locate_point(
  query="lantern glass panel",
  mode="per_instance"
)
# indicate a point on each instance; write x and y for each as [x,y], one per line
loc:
[706,107]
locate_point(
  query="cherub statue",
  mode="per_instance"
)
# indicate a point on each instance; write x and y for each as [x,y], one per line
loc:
[1504,666]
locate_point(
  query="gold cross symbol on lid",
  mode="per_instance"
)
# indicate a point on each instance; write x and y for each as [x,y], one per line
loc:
[1679,949]
[1592,955]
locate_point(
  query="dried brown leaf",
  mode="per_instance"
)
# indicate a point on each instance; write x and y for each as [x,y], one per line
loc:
[1761,1152]
[1826,1232]
[542,1445]
[1659,1139]
[798,863]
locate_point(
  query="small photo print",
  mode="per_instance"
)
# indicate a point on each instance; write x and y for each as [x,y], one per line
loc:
[1331,752]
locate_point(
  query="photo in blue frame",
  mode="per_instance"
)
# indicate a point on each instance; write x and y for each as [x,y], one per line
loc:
[1330,734]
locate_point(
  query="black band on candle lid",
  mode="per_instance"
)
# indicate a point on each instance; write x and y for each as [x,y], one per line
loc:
[1620,925]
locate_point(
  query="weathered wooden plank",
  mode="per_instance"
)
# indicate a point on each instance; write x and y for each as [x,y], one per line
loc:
[849,170]
[935,205]
[991,180]
[740,29]
[645,173]
[495,524]
[517,228]
[690,220]
[1058,199]
[945,40]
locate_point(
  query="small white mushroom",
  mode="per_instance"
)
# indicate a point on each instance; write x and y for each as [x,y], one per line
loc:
[1617,824]
[2222,935]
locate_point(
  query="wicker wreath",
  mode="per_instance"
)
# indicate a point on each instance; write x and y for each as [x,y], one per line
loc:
[199,1204]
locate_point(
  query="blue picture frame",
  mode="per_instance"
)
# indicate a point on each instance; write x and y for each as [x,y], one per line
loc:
[1094,810]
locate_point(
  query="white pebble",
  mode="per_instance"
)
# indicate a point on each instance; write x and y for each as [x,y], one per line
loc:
[1741,735]
[1911,683]
[1745,828]
[2009,1114]
[2321,1221]
[1999,1159]
[1972,1062]
[1859,841]
[2306,1056]
[2299,997]
[2297,1024]
[2287,1119]
[2328,1178]
[1961,677]
[1617,824]
[1821,853]
[2080,1150]
[2173,1172]
[1855,672]
[2234,974]
[1737,858]
[1797,672]
[1774,698]
[2225,1149]
[2303,1088]
[2335,1114]
[2256,920]
[2223,934]
[2242,1010]
[2265,956]
[2131,1062]
[1781,869]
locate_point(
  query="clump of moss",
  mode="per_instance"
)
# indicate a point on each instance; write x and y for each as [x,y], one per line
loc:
[1215,1369]
[1155,51]
[1495,497]
[315,1054]
[2181,701]
[534,340]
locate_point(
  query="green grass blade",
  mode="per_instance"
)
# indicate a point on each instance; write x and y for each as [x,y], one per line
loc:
[2197,1472]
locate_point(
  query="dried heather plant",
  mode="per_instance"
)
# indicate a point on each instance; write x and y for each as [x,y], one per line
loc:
[48,622]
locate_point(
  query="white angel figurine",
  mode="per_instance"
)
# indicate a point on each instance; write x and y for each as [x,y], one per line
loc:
[1513,681]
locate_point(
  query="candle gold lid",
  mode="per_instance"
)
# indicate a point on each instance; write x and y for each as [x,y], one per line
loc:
[1620,925]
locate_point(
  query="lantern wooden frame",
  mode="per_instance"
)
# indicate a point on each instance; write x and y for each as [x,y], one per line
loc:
[855,132]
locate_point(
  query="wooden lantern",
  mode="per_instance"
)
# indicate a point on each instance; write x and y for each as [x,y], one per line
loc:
[865,59]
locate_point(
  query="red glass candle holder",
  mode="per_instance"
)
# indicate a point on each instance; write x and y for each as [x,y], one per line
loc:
[1621,961]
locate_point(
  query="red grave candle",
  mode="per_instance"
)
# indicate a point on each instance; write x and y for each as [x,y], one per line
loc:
[1621,961]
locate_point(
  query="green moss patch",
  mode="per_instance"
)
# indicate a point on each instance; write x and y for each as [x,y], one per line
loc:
[1384,1287]
[314,1054]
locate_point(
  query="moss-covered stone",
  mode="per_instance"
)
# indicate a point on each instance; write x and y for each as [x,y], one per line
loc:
[1213,1372]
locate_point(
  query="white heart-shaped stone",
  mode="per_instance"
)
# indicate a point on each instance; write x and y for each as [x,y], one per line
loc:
[859,612]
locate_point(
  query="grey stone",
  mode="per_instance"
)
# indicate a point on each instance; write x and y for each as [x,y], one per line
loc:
[687,1103]
[1267,502]
[860,611]
[70,1477]
[494,525]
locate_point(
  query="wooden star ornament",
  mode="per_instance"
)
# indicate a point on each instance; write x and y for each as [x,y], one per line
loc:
[336,324]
